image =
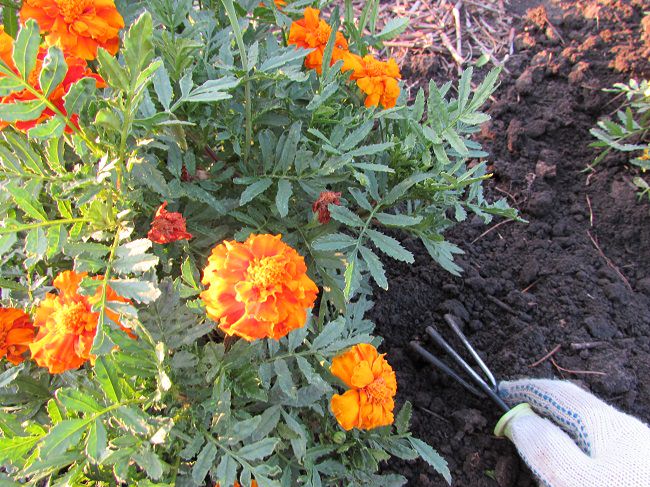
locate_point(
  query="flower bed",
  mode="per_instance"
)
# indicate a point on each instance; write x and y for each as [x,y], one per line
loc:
[194,211]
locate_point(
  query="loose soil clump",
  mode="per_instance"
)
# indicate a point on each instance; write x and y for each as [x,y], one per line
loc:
[577,275]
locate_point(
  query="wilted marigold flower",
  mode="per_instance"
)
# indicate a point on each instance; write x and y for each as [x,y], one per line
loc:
[321,205]
[77,26]
[168,226]
[77,69]
[258,288]
[311,32]
[377,79]
[67,324]
[369,402]
[16,333]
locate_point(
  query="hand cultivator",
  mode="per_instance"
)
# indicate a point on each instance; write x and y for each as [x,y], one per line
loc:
[481,387]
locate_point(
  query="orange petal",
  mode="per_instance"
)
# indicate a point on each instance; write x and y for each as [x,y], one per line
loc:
[346,409]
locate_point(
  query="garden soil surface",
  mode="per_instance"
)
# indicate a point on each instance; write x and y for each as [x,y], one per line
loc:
[577,275]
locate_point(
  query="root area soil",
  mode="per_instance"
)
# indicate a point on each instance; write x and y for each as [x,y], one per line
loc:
[576,276]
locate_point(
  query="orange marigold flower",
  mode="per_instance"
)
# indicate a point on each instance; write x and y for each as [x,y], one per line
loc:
[67,324]
[311,32]
[168,226]
[278,3]
[321,205]
[258,288]
[369,402]
[377,79]
[16,333]
[77,69]
[77,26]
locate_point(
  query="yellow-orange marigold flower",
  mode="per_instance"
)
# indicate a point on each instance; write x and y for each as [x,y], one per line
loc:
[67,324]
[311,32]
[16,333]
[278,3]
[369,402]
[377,79]
[237,484]
[258,288]
[77,69]
[77,26]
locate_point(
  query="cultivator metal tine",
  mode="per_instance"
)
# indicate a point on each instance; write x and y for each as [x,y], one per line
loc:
[451,321]
[488,389]
[436,362]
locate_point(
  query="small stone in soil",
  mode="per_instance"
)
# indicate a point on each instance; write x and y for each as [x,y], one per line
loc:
[506,471]
[600,327]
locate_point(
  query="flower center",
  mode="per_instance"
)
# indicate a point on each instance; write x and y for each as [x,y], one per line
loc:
[73,9]
[323,33]
[75,318]
[374,68]
[265,272]
[377,391]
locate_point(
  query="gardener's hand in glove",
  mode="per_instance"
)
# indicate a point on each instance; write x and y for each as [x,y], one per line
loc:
[572,439]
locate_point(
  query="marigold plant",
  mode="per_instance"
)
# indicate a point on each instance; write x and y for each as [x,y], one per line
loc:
[228,342]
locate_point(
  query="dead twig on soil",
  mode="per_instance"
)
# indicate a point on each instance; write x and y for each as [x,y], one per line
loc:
[609,261]
[530,286]
[576,372]
[591,212]
[547,356]
[492,228]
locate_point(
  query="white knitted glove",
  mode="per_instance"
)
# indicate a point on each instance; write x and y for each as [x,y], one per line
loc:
[579,442]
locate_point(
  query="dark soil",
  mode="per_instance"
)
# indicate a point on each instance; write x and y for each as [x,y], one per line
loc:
[578,272]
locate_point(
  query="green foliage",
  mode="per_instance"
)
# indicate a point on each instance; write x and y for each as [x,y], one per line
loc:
[629,132]
[215,114]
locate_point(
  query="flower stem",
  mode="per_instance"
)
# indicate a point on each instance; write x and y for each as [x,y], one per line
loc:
[30,226]
[232,16]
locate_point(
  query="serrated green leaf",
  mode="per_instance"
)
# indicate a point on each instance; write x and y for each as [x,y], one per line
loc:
[331,332]
[76,400]
[96,442]
[390,246]
[285,190]
[204,462]
[334,241]
[227,470]
[254,190]
[27,202]
[77,95]
[285,380]
[393,28]
[13,449]
[345,216]
[258,450]
[63,435]
[21,110]
[141,291]
[432,457]
[111,71]
[375,267]
[163,87]
[149,462]
[53,71]
[397,220]
[26,48]
[403,418]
